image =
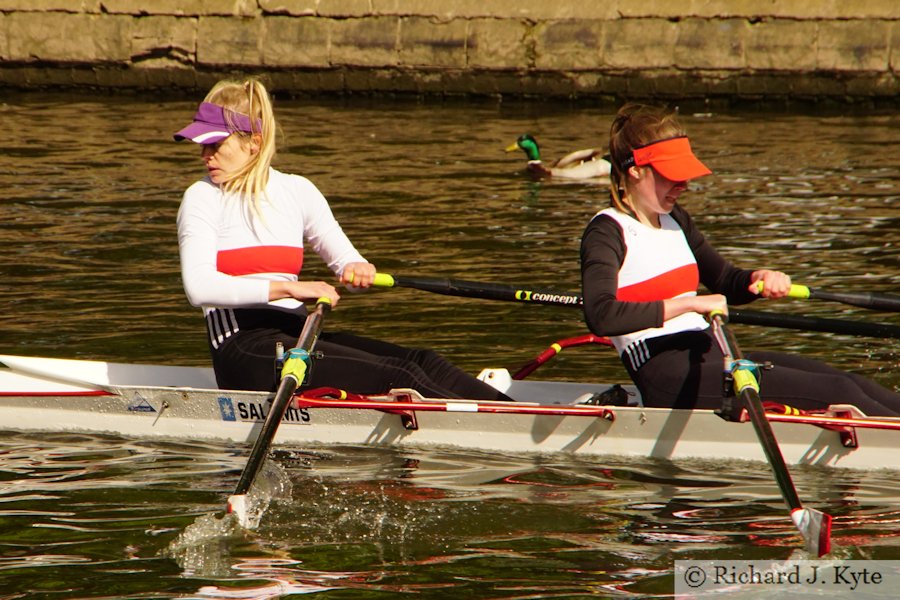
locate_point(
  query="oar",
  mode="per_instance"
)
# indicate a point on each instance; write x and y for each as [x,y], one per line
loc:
[511,293]
[886,302]
[477,289]
[839,326]
[292,374]
[814,525]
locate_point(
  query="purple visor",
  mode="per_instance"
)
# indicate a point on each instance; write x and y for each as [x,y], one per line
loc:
[210,125]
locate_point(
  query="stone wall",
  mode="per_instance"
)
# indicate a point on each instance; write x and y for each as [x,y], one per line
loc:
[707,49]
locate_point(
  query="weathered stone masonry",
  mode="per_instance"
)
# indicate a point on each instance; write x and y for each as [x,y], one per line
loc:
[707,49]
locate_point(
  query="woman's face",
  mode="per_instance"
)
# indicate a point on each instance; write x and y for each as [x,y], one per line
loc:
[225,157]
[653,194]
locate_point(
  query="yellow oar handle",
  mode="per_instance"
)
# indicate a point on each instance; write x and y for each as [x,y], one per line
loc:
[797,291]
[381,280]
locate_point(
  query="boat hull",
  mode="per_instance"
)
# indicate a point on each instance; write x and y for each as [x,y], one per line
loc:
[36,402]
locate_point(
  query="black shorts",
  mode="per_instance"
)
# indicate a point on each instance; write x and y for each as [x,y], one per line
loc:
[686,370]
[246,361]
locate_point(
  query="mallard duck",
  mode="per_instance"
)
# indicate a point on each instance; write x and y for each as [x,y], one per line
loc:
[581,164]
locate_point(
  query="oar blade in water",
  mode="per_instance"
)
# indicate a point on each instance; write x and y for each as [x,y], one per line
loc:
[815,527]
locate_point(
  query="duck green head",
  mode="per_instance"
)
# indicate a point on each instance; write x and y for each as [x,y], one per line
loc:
[529,145]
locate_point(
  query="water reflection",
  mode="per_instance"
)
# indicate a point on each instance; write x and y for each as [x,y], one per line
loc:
[400,521]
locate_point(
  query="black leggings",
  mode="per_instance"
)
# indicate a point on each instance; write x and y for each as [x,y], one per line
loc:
[689,375]
[356,364]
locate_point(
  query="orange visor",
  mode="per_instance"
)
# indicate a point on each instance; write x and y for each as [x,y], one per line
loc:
[672,158]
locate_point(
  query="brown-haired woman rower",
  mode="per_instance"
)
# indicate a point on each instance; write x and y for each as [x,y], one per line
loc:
[642,260]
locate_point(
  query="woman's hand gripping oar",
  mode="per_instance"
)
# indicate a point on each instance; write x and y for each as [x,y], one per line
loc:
[296,365]
[814,525]
[885,302]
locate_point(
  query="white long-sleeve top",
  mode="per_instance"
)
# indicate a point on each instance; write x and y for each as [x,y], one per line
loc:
[229,254]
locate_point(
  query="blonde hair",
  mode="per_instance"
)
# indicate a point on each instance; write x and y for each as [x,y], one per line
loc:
[248,98]
[634,126]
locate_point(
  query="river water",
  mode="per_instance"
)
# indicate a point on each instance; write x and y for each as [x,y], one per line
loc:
[90,186]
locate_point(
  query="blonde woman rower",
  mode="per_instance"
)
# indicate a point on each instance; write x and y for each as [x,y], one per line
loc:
[243,231]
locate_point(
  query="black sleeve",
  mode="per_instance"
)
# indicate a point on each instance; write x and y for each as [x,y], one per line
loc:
[602,255]
[716,274]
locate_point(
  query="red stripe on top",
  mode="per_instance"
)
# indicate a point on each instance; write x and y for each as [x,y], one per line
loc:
[662,287]
[260,259]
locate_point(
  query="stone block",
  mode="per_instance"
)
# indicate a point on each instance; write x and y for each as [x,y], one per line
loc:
[378,80]
[163,74]
[10,6]
[881,85]
[711,44]
[67,37]
[894,60]
[499,44]
[853,45]
[4,38]
[343,8]
[492,83]
[753,9]
[426,42]
[764,84]
[234,41]
[676,87]
[292,8]
[782,45]
[192,8]
[584,83]
[811,85]
[872,84]
[643,84]
[870,9]
[296,42]
[296,82]
[164,37]
[611,85]
[568,45]
[639,43]
[497,9]
[365,42]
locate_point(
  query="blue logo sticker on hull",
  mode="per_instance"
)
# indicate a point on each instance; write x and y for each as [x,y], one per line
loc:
[226,408]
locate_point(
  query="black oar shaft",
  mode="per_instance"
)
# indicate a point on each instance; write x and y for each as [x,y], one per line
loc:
[757,416]
[511,293]
[283,396]
[886,302]
[770,447]
[814,526]
[839,326]
[488,291]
